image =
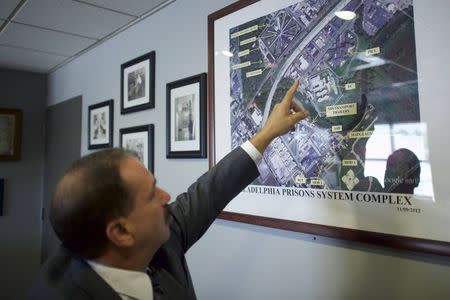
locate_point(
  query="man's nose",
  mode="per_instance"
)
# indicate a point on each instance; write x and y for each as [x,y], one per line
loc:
[164,196]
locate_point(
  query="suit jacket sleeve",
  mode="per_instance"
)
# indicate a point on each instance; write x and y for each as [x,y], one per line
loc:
[195,210]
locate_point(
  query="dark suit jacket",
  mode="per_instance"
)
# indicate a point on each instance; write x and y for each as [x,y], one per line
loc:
[65,276]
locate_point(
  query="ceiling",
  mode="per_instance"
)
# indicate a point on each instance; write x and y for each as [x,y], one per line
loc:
[43,35]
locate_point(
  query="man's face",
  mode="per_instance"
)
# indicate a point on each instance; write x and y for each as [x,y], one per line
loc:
[149,216]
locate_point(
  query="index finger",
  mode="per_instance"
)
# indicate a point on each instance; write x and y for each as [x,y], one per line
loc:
[291,92]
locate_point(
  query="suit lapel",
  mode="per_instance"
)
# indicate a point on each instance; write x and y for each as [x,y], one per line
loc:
[89,281]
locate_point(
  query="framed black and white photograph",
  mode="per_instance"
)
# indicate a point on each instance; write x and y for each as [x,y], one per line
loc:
[138,84]
[140,139]
[10,134]
[186,117]
[100,125]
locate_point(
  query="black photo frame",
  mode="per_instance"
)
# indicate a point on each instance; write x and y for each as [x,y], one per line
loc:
[186,117]
[138,84]
[140,139]
[100,125]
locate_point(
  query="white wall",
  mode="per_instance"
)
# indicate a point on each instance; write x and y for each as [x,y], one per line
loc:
[233,260]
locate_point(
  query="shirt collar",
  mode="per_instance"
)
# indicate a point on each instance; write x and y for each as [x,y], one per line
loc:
[125,282]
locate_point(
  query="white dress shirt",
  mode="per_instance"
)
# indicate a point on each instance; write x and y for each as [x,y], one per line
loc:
[252,152]
[132,285]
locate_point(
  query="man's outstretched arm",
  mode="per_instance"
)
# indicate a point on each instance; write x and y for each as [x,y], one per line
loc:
[196,209]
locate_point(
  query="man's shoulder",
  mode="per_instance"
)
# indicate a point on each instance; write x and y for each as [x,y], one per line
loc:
[54,279]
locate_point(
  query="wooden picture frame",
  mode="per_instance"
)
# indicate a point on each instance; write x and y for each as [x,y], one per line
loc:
[10,134]
[260,205]
[138,84]
[186,117]
[141,140]
[101,125]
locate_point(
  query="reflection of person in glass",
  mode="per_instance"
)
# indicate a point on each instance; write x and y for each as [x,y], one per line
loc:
[368,184]
[402,173]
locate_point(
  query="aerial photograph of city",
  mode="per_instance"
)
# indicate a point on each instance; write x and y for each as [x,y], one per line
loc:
[356,75]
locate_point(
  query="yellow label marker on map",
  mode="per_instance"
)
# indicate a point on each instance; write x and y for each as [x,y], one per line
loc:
[300,180]
[373,51]
[360,134]
[242,65]
[253,73]
[243,53]
[244,31]
[317,182]
[336,128]
[350,162]
[341,110]
[248,41]
[350,86]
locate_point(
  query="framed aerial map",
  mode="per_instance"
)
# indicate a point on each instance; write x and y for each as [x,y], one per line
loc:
[360,167]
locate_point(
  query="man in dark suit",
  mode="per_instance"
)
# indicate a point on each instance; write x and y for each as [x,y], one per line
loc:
[120,237]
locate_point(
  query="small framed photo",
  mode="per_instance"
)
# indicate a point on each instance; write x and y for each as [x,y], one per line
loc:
[140,139]
[138,84]
[186,117]
[10,134]
[100,126]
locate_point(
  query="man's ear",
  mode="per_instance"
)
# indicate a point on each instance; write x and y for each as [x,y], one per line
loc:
[120,233]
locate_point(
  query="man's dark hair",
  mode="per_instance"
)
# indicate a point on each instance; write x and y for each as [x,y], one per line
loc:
[89,195]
